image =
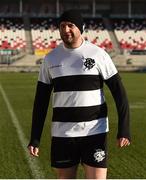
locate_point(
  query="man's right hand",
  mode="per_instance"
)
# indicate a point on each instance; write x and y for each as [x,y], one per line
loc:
[33,151]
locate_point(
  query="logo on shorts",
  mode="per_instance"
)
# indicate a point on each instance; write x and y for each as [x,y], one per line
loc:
[99,155]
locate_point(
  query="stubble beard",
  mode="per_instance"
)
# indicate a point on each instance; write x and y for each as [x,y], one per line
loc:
[68,40]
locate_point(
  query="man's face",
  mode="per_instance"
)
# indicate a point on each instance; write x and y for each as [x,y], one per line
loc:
[69,33]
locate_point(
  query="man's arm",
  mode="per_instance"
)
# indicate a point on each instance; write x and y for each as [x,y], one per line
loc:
[41,102]
[118,92]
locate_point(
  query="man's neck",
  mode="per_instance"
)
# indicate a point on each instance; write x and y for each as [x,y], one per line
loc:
[74,45]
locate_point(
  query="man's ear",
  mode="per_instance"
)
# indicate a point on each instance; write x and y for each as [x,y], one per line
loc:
[84,27]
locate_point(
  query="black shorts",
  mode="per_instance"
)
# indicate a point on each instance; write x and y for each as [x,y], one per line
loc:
[90,150]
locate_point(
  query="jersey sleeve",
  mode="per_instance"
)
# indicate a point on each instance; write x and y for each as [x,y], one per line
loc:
[44,75]
[121,100]
[106,66]
[41,102]
[112,79]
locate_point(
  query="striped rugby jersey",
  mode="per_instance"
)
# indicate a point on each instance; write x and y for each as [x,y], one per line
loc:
[77,75]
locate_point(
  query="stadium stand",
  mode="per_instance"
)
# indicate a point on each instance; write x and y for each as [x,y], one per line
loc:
[29,32]
[131,33]
[12,33]
[45,34]
[96,33]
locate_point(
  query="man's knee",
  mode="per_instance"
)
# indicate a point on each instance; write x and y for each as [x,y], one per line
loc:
[67,173]
[94,172]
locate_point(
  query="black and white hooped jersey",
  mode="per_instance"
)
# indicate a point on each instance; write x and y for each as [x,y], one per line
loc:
[77,75]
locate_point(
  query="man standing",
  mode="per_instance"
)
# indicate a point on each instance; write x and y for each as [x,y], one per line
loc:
[76,71]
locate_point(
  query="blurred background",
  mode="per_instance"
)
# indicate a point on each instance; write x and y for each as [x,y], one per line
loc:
[28,31]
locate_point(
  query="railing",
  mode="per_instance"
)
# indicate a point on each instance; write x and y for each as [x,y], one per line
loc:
[8,56]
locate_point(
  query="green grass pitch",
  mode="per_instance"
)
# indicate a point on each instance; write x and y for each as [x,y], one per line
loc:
[19,88]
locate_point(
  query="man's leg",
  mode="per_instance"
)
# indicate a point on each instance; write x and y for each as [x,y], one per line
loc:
[94,156]
[66,173]
[95,173]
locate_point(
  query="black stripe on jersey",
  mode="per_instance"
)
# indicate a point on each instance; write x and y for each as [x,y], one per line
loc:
[79,114]
[77,83]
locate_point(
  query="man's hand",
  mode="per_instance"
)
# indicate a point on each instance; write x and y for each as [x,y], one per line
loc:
[33,151]
[123,142]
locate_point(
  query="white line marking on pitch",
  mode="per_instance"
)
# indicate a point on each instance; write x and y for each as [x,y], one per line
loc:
[32,162]
[138,105]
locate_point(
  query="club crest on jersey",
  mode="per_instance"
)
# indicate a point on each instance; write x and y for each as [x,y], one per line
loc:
[89,63]
[99,155]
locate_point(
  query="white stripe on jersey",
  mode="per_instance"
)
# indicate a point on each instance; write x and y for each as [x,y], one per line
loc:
[78,98]
[73,129]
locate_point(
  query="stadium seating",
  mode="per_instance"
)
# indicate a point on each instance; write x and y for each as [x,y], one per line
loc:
[131,33]
[96,33]
[12,33]
[45,33]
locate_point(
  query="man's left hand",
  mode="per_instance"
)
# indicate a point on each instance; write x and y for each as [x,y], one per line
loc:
[123,142]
